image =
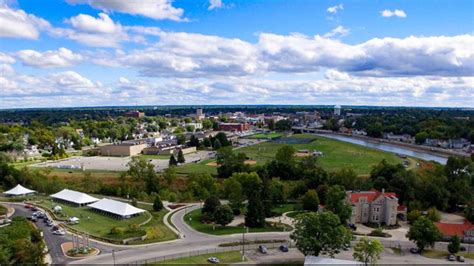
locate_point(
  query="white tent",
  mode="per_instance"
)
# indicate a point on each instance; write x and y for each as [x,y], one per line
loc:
[19,190]
[114,207]
[74,197]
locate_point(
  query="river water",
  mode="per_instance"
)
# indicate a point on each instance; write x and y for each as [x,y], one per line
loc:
[390,148]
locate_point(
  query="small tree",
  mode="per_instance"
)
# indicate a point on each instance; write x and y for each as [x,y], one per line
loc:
[413,216]
[157,204]
[433,215]
[210,205]
[223,215]
[424,233]
[173,161]
[310,200]
[455,245]
[217,144]
[469,211]
[134,202]
[181,157]
[368,251]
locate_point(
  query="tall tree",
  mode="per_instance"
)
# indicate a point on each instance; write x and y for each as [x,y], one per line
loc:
[424,233]
[172,161]
[335,202]
[141,169]
[310,200]
[181,157]
[223,215]
[320,233]
[454,245]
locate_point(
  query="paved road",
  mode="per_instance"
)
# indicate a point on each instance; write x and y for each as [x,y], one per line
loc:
[191,241]
[53,242]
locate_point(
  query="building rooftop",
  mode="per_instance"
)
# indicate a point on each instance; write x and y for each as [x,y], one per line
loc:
[449,229]
[370,195]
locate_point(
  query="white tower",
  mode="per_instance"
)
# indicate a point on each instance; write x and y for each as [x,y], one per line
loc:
[337,110]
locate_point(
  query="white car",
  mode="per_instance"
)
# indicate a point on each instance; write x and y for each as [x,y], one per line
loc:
[213,260]
[60,232]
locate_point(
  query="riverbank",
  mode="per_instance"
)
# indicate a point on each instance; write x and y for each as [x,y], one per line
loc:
[423,152]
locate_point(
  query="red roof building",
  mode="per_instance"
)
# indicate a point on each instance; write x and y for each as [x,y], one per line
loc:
[374,206]
[464,230]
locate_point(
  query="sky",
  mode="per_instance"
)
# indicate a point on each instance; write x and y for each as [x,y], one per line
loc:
[67,53]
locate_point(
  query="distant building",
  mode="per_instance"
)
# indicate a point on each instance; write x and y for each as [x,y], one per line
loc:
[337,110]
[374,207]
[464,231]
[121,149]
[135,114]
[199,114]
[234,126]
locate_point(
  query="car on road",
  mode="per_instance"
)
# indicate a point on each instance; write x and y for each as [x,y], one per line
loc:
[27,206]
[33,208]
[451,257]
[284,248]
[213,260]
[414,251]
[59,232]
[460,258]
[263,249]
[55,227]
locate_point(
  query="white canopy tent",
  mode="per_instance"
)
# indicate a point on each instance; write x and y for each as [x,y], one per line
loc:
[75,197]
[19,190]
[117,208]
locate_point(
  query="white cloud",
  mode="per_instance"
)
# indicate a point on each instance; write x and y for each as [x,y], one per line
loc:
[156,9]
[339,31]
[334,9]
[16,23]
[58,58]
[395,13]
[4,58]
[104,24]
[215,4]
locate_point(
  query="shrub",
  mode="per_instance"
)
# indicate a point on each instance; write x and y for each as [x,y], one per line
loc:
[117,231]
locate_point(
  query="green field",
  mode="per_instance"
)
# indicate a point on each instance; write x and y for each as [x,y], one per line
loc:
[280,209]
[336,154]
[200,167]
[155,156]
[193,219]
[224,257]
[273,135]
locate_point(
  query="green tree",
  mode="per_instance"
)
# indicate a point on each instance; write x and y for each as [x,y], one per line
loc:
[157,204]
[216,145]
[223,215]
[412,216]
[181,157]
[172,161]
[141,169]
[255,215]
[233,192]
[310,200]
[320,233]
[469,211]
[134,202]
[271,124]
[368,251]
[433,214]
[193,141]
[210,205]
[424,233]
[170,174]
[336,203]
[454,245]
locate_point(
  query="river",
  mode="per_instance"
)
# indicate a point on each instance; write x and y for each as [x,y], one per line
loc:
[390,148]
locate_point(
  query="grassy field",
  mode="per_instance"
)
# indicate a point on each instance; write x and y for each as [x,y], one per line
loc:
[193,219]
[224,258]
[266,136]
[3,210]
[337,154]
[94,223]
[438,254]
[200,167]
[279,209]
[156,230]
[155,156]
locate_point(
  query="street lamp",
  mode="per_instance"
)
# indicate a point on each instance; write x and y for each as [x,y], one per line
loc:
[243,243]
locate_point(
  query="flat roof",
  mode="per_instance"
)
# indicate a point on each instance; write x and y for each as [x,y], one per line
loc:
[74,196]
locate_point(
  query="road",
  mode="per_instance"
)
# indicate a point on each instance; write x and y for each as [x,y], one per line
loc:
[191,241]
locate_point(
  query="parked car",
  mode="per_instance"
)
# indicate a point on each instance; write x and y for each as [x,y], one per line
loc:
[55,227]
[451,257]
[27,206]
[462,249]
[49,224]
[263,249]
[33,219]
[414,250]
[33,208]
[346,247]
[284,248]
[213,260]
[460,258]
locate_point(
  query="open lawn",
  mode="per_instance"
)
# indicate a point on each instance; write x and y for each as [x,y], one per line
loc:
[336,154]
[155,229]
[280,209]
[224,257]
[266,136]
[194,220]
[438,254]
[155,156]
[200,167]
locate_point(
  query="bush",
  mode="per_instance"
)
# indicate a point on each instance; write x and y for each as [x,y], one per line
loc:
[310,200]
[433,214]
[157,204]
[413,216]
[378,233]
[117,231]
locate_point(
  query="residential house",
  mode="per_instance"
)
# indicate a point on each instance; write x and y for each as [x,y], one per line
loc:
[374,207]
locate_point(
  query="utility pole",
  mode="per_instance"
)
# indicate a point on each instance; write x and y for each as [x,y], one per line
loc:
[113,255]
[243,244]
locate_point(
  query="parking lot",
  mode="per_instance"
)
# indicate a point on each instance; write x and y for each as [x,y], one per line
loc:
[117,163]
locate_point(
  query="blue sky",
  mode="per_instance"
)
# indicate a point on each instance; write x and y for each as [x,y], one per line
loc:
[157,52]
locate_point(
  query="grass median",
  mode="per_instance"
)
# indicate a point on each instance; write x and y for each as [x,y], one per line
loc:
[193,219]
[224,258]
